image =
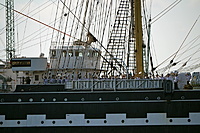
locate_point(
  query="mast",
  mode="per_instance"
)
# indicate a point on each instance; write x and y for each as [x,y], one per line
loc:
[148,46]
[10,30]
[132,46]
[138,37]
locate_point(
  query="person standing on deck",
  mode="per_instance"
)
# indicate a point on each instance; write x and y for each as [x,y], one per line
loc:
[28,80]
[45,80]
[176,79]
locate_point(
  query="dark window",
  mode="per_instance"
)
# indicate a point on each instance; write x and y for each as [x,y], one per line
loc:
[95,54]
[36,77]
[76,53]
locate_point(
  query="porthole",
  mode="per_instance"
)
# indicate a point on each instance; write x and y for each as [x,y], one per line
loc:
[19,100]
[158,98]
[70,122]
[2,100]
[189,120]
[42,122]
[42,100]
[88,121]
[31,100]
[100,99]
[105,121]
[1,122]
[117,98]
[82,99]
[53,122]
[122,121]
[147,121]
[182,97]
[54,99]
[18,122]
[65,99]
[146,98]
[170,120]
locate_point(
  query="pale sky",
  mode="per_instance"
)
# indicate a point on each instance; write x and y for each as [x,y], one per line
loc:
[168,32]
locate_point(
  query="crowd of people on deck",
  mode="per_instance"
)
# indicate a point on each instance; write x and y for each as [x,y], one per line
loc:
[53,80]
[180,80]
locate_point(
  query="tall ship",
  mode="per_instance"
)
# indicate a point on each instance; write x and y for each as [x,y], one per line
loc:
[96,78]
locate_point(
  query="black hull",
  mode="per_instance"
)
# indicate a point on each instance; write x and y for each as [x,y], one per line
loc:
[104,111]
[118,129]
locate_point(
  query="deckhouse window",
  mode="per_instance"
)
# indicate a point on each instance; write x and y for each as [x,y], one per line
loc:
[70,53]
[64,53]
[88,54]
[96,54]
[80,54]
[36,77]
[76,53]
[53,53]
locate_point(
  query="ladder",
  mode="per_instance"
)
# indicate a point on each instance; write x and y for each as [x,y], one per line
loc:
[116,54]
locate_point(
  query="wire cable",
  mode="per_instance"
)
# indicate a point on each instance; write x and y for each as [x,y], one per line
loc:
[166,10]
[184,39]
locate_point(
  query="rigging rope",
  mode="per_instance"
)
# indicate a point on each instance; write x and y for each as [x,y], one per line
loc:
[44,24]
[175,54]
[25,26]
[166,10]
[27,14]
[168,66]
[88,30]
[67,18]
[59,37]
[33,14]
[184,40]
[25,19]
[195,39]
[73,25]
[189,58]
[73,14]
[190,47]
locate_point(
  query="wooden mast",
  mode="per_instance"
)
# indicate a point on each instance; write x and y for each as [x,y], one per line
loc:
[138,37]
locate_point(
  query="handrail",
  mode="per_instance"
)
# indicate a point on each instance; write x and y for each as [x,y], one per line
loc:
[115,84]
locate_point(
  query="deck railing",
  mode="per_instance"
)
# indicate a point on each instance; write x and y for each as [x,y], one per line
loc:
[116,84]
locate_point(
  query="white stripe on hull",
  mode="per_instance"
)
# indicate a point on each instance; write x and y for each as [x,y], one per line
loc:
[110,120]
